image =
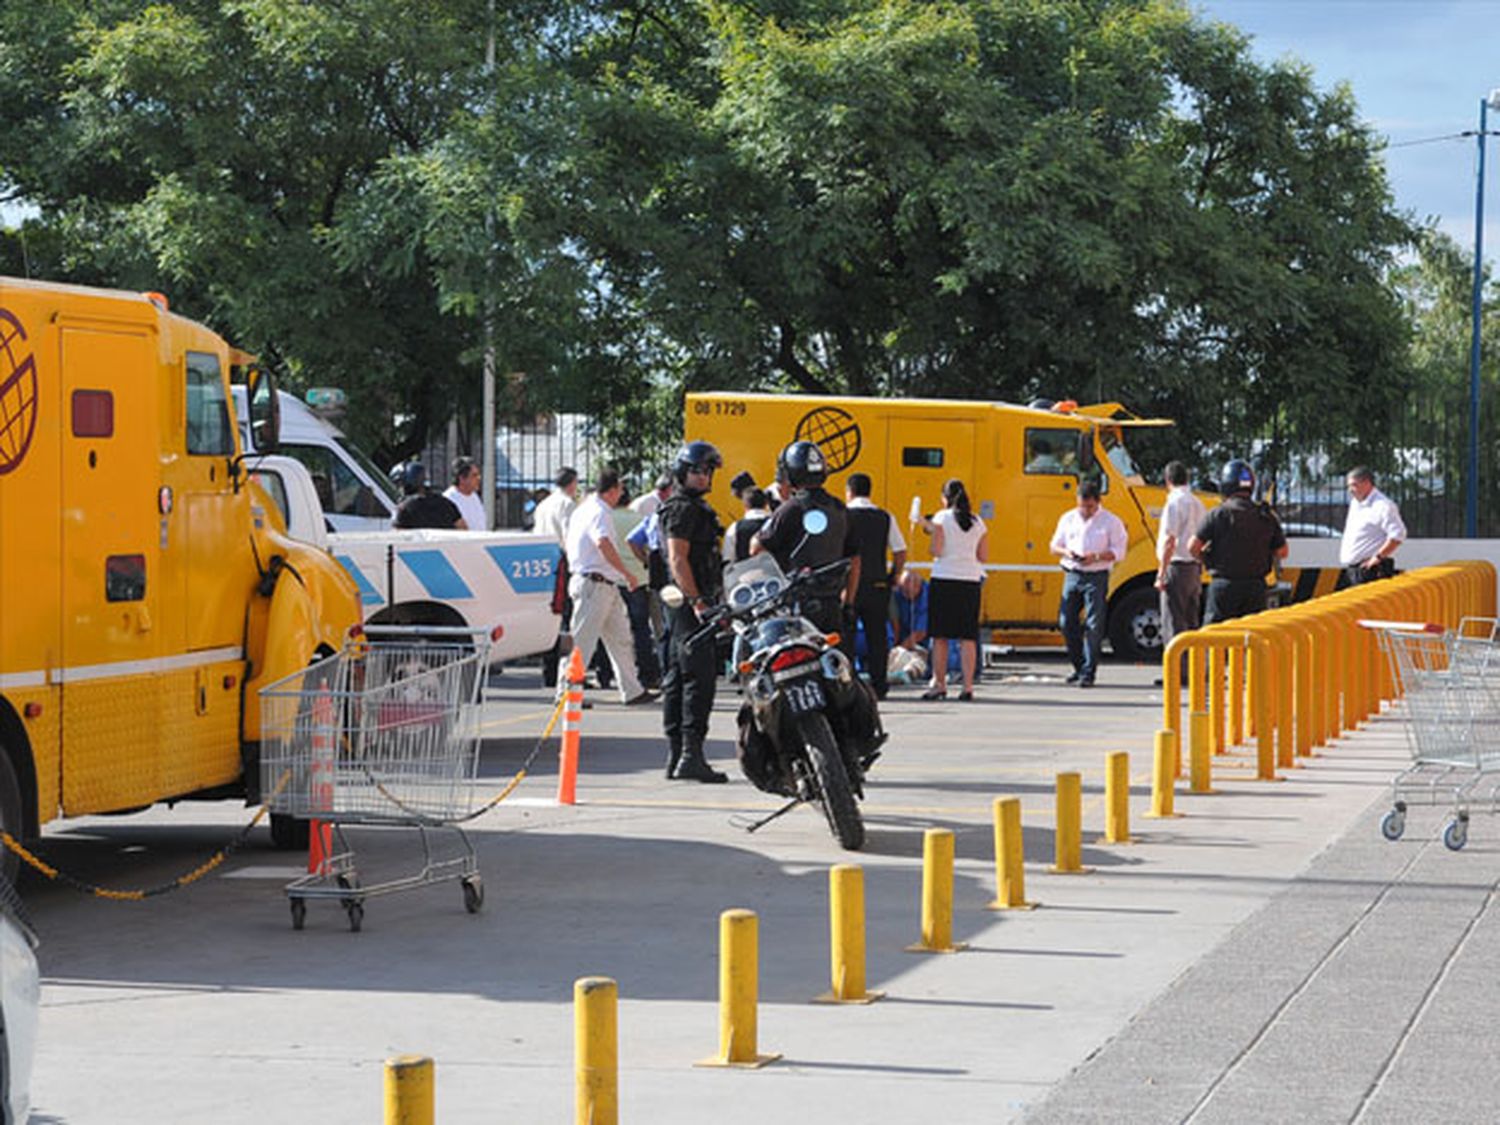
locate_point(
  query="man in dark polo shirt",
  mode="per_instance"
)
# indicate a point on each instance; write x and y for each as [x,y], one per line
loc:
[874,532]
[421,507]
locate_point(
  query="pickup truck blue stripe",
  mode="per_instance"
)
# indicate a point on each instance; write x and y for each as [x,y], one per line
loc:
[437,575]
[530,568]
[368,595]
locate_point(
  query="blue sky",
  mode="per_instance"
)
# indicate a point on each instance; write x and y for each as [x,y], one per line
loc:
[1418,69]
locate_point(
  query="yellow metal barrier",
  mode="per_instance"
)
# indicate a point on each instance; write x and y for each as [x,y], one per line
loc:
[1296,678]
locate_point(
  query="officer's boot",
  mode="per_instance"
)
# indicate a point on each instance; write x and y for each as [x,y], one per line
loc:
[693,766]
[674,755]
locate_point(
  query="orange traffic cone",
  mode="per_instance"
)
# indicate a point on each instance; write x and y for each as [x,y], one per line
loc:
[319,847]
[567,766]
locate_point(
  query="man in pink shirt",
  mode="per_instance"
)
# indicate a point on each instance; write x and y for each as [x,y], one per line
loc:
[1088,540]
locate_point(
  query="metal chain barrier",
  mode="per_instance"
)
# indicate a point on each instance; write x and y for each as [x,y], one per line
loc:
[216,860]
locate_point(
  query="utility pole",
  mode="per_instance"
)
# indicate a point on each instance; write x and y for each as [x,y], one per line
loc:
[488,427]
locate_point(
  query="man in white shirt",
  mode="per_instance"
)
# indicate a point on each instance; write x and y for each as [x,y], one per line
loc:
[1089,541]
[1179,576]
[464,493]
[648,502]
[1373,531]
[551,517]
[596,574]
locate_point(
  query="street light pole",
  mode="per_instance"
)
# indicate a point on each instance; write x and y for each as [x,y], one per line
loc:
[487,425]
[1471,507]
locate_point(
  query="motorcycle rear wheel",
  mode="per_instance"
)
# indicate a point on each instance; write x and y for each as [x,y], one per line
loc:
[834,792]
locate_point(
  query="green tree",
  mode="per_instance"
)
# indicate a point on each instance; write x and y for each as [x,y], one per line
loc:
[986,198]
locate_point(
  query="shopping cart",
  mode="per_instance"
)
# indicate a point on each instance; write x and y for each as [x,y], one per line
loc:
[1449,682]
[383,733]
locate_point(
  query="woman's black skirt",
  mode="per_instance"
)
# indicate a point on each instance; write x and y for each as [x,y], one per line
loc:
[953,609]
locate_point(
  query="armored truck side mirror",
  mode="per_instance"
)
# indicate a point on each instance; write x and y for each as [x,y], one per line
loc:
[264,409]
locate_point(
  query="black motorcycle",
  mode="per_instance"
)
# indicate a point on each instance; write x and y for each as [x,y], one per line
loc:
[809,728]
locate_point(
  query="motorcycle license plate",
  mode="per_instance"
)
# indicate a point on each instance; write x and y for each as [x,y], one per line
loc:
[803,696]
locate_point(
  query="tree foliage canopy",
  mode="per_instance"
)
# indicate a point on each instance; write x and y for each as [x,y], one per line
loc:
[979,198]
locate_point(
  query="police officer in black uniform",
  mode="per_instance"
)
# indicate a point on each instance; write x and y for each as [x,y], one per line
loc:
[802,468]
[690,530]
[1239,542]
[422,508]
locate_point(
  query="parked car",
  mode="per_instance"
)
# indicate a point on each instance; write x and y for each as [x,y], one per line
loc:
[20,990]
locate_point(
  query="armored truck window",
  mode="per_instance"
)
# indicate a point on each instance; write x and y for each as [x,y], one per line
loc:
[921,457]
[125,578]
[1052,452]
[208,426]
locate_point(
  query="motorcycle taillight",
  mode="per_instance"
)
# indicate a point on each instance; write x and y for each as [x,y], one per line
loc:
[791,657]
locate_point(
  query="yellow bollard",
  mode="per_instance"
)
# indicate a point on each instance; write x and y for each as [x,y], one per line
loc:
[1216,689]
[1068,839]
[1236,696]
[1117,798]
[937,894]
[846,933]
[596,1066]
[409,1096]
[739,986]
[1200,752]
[1010,857]
[1164,769]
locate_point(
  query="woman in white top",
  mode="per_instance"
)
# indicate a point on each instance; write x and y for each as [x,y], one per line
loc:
[960,547]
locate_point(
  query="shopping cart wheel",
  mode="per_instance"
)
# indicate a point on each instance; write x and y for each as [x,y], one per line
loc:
[356,911]
[299,913]
[1393,824]
[473,894]
[1456,834]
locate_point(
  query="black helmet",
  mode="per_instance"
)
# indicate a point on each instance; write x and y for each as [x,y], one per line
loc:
[802,465]
[699,456]
[1236,476]
[410,477]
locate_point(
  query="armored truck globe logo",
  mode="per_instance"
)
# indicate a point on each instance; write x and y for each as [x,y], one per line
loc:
[833,431]
[17,393]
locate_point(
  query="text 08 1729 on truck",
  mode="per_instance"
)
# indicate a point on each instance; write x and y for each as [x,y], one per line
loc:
[1021,466]
[145,592]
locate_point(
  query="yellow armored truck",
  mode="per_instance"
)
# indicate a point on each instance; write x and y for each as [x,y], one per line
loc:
[147,587]
[1020,464]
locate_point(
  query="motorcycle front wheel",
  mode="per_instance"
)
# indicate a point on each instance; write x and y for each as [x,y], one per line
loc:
[833,782]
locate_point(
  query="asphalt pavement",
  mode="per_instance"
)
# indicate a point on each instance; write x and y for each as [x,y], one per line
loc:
[1266,956]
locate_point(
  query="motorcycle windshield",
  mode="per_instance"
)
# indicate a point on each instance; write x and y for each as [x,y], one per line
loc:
[756,579]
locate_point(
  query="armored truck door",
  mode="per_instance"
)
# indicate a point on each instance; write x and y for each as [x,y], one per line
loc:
[1049,478]
[110,476]
[923,453]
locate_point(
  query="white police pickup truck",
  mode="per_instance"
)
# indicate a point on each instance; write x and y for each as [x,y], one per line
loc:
[473,579]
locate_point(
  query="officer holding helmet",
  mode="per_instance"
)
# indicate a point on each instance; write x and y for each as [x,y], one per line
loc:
[802,469]
[690,532]
[1239,542]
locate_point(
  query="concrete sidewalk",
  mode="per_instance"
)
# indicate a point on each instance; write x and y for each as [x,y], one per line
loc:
[1359,994]
[205,1005]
